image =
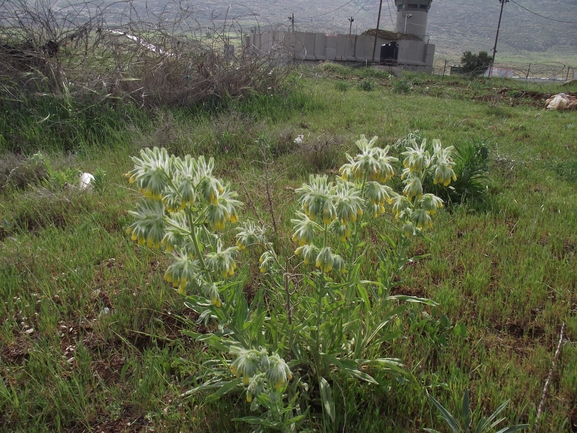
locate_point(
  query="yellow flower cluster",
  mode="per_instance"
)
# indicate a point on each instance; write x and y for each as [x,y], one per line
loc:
[222,210]
[148,227]
[304,229]
[316,199]
[413,187]
[182,271]
[278,372]
[222,262]
[377,196]
[443,166]
[309,253]
[249,235]
[326,261]
[343,231]
[210,290]
[372,163]
[267,260]
[417,158]
[444,174]
[178,282]
[259,370]
[150,172]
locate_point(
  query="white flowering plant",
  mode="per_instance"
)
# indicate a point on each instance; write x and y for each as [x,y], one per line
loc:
[186,210]
[316,320]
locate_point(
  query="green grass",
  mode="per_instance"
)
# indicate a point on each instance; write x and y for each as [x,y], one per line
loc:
[92,336]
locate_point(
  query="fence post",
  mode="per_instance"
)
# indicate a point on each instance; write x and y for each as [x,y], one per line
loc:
[444,68]
[528,70]
[568,69]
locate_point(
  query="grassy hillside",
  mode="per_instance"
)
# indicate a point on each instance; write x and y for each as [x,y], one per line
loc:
[94,338]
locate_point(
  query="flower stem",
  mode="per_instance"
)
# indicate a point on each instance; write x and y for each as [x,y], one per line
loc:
[196,244]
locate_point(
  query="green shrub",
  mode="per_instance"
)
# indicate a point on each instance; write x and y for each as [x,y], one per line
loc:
[342,86]
[366,85]
[475,64]
[401,85]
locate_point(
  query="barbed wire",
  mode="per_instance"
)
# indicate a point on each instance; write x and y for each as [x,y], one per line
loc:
[329,12]
[545,72]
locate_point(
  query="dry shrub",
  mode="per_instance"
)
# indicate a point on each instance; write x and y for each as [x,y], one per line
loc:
[324,153]
[197,74]
[20,173]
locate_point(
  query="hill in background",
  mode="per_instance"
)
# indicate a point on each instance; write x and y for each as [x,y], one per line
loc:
[530,28]
[532,31]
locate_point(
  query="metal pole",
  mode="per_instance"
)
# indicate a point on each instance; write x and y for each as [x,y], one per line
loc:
[377,31]
[497,36]
[351,19]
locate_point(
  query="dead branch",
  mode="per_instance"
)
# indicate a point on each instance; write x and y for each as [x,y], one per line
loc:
[548,381]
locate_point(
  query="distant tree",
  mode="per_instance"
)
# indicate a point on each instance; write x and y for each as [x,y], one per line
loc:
[475,64]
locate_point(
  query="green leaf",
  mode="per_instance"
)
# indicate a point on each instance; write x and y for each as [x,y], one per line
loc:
[214,341]
[249,419]
[240,314]
[225,388]
[384,323]
[364,296]
[327,398]
[485,422]
[351,368]
[413,299]
[449,419]
[295,419]
[514,428]
[222,386]
[460,330]
[466,409]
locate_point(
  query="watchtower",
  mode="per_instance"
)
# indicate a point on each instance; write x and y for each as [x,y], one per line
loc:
[412,17]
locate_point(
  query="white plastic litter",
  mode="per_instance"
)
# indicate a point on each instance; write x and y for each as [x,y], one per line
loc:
[558,102]
[299,139]
[86,180]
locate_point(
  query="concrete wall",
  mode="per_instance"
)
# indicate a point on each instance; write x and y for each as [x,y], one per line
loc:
[341,48]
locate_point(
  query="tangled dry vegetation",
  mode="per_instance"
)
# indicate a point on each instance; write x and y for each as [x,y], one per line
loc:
[116,51]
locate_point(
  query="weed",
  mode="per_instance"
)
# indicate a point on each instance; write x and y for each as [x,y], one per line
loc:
[342,86]
[566,170]
[401,85]
[483,424]
[366,85]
